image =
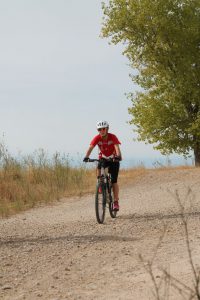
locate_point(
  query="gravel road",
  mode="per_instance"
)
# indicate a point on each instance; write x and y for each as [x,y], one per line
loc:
[60,252]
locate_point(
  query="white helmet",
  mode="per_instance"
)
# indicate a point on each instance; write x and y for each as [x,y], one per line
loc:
[102,124]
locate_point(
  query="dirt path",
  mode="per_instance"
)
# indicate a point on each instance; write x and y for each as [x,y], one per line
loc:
[60,252]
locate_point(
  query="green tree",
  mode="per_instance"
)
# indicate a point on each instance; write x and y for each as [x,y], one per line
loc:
[161,39]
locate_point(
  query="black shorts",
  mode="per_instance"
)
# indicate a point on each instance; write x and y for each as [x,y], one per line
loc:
[113,169]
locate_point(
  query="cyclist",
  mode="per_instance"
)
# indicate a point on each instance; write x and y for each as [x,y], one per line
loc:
[108,145]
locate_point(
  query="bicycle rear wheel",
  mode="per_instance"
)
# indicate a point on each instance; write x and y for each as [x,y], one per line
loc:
[100,202]
[113,213]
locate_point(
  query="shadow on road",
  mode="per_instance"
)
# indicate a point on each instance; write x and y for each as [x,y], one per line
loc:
[68,239]
[158,216]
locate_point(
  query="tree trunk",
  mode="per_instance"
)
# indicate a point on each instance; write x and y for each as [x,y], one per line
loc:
[197,155]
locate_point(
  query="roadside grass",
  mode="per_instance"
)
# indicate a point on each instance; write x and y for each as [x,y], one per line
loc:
[37,179]
[128,176]
[24,186]
[26,182]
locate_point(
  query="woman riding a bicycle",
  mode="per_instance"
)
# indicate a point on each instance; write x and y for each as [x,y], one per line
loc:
[109,149]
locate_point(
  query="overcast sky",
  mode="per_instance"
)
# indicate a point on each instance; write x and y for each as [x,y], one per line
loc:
[58,78]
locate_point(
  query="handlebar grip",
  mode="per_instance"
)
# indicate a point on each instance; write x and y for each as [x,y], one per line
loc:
[93,160]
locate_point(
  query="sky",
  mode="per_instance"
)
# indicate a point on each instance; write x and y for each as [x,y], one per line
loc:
[58,77]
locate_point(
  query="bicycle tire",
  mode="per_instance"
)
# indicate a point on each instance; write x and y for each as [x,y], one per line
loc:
[113,213]
[100,202]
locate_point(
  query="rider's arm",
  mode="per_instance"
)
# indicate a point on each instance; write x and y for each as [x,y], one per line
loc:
[118,151]
[89,151]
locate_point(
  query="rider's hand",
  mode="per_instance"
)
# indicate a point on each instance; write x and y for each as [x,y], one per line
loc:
[117,158]
[86,159]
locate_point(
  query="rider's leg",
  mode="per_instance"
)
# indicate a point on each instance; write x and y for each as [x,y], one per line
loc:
[116,191]
[114,170]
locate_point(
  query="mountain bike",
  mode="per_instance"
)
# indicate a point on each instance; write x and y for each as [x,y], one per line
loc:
[104,193]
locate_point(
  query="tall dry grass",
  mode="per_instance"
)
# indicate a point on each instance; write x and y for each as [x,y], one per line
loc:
[28,181]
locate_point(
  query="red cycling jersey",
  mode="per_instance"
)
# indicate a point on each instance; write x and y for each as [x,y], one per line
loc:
[106,146]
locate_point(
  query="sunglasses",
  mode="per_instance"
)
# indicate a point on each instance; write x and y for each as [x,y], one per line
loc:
[102,129]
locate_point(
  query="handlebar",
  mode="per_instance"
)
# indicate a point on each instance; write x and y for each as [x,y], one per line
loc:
[99,160]
[93,160]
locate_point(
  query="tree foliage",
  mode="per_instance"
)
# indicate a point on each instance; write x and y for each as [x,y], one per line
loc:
[161,39]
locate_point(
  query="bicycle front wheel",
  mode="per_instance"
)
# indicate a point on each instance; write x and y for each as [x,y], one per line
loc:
[100,202]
